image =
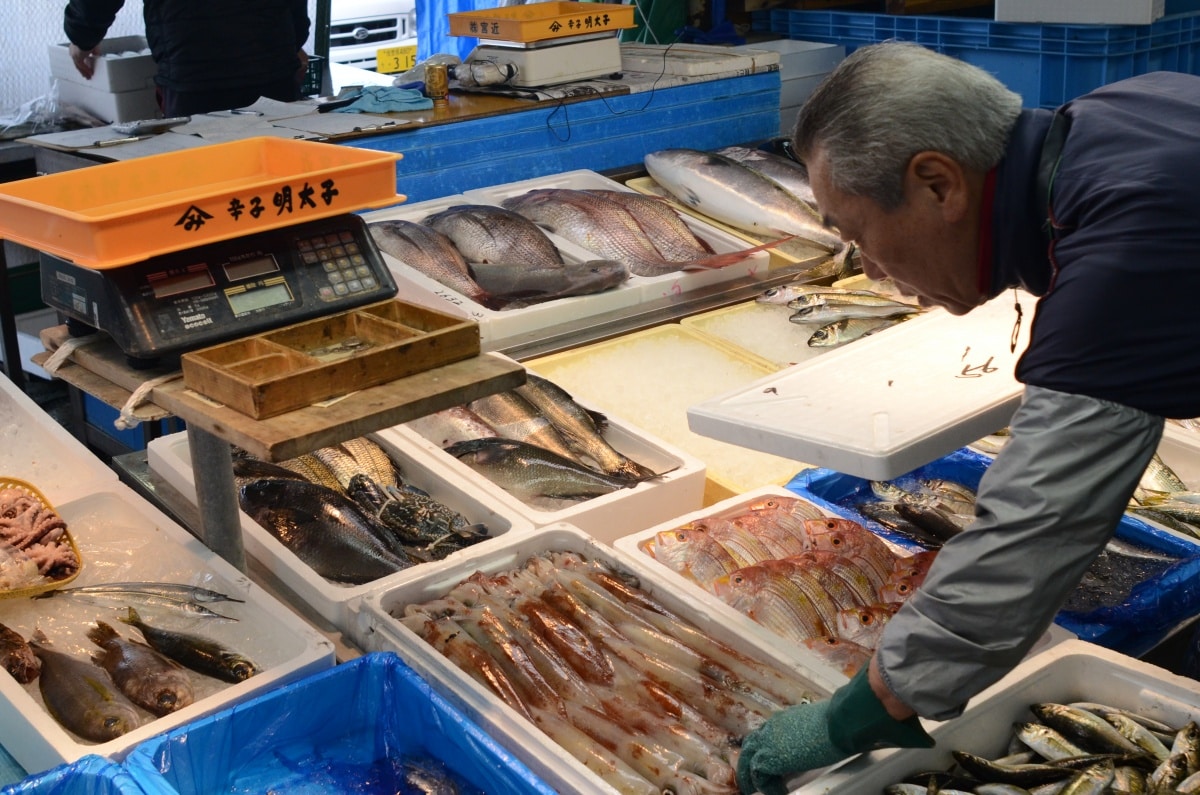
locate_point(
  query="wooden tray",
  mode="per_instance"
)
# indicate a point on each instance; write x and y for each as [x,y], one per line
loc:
[48,585]
[278,371]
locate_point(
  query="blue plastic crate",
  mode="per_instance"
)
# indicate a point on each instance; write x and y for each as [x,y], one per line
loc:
[88,775]
[1153,609]
[314,734]
[1046,64]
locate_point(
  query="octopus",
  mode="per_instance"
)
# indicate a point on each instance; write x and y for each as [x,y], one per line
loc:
[37,533]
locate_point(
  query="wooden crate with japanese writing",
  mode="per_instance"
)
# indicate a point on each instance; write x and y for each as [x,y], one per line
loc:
[274,372]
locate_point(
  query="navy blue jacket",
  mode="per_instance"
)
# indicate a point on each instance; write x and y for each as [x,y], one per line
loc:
[1118,318]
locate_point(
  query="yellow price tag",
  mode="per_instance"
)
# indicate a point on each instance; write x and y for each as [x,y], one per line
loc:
[392,60]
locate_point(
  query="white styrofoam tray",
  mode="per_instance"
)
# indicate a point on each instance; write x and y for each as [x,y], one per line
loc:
[1081,12]
[1068,672]
[754,266]
[606,517]
[36,449]
[886,404]
[123,538]
[380,631]
[499,328]
[170,457]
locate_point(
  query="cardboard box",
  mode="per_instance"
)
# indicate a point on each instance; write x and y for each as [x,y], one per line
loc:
[108,106]
[1086,12]
[122,538]
[124,64]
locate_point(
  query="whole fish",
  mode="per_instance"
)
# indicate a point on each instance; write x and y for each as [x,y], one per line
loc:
[832,312]
[846,655]
[174,590]
[486,233]
[791,176]
[17,657]
[321,527]
[848,330]
[150,679]
[83,697]
[669,233]
[691,553]
[165,600]
[196,652]
[524,284]
[455,424]
[726,190]
[835,295]
[582,430]
[514,417]
[429,252]
[528,472]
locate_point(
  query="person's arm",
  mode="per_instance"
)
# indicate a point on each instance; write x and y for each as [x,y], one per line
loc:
[1046,507]
[86,22]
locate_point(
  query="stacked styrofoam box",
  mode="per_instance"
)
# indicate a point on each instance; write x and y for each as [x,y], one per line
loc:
[1086,12]
[802,67]
[499,328]
[36,449]
[549,761]
[754,266]
[122,538]
[122,85]
[1072,671]
[170,457]
[678,490]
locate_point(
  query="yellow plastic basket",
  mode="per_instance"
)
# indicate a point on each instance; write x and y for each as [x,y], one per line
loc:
[32,590]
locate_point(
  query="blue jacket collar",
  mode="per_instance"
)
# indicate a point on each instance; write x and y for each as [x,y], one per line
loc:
[1019,249]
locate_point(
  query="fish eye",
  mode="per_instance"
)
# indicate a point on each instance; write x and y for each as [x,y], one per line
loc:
[166,700]
[112,722]
[737,579]
[866,618]
[830,524]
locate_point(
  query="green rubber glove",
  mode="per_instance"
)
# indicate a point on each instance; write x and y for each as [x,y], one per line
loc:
[810,736]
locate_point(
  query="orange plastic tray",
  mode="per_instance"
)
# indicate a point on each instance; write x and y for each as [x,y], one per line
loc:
[541,21]
[122,212]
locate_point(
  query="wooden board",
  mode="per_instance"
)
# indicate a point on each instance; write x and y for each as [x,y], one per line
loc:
[301,431]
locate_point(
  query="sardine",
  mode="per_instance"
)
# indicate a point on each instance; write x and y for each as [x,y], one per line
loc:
[150,679]
[429,252]
[485,233]
[83,697]
[528,472]
[324,529]
[581,429]
[196,652]
[17,657]
[728,191]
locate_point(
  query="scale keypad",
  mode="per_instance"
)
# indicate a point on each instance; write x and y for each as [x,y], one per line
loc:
[341,260]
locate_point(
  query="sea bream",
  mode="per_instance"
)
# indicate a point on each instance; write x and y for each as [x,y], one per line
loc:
[486,233]
[728,191]
[429,252]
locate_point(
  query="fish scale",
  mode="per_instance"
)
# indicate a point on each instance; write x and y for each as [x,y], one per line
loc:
[487,233]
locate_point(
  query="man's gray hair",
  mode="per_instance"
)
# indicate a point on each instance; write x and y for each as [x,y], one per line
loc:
[886,102]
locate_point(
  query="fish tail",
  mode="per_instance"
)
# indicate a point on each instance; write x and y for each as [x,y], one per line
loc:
[102,633]
[732,257]
[132,618]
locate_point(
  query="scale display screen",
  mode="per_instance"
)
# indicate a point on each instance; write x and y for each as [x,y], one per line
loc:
[259,298]
[248,269]
[195,278]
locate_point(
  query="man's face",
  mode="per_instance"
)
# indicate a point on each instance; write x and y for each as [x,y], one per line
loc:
[927,245]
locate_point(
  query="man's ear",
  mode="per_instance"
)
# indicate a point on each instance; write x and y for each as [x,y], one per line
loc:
[939,179]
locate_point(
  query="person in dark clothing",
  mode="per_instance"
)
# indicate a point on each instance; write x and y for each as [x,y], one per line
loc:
[950,188]
[210,54]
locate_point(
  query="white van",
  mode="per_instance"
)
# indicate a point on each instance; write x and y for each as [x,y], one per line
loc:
[359,29]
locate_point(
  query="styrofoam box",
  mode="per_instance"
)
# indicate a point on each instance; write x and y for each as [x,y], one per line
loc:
[886,404]
[499,328]
[1071,671]
[651,377]
[764,329]
[36,449]
[792,93]
[122,538]
[800,58]
[696,59]
[170,457]
[606,517]
[124,64]
[754,266]
[550,762]
[110,107]
[1087,12]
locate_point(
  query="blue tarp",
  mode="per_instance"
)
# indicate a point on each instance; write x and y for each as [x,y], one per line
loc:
[88,775]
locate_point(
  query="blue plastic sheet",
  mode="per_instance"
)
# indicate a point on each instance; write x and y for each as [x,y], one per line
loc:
[363,712]
[88,775]
[1152,609]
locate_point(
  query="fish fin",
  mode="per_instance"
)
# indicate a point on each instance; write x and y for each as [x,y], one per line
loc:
[732,257]
[599,419]
[101,634]
[132,618]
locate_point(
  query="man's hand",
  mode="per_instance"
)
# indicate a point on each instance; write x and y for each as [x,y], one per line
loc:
[810,736]
[84,60]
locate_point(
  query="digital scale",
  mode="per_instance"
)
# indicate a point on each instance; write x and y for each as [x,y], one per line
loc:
[184,300]
[551,61]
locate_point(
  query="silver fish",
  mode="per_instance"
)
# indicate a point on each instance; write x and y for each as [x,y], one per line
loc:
[728,191]
[196,652]
[490,234]
[147,677]
[83,697]
[848,330]
[529,472]
[455,424]
[791,176]
[173,590]
[429,252]
[514,417]
[833,295]
[830,313]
